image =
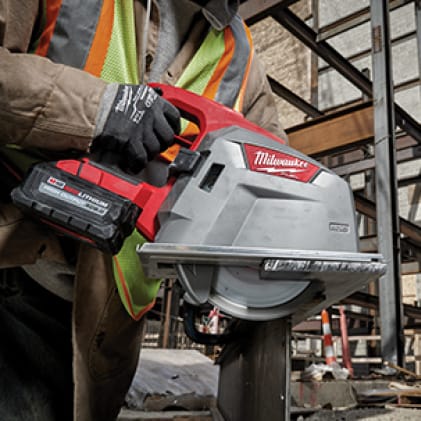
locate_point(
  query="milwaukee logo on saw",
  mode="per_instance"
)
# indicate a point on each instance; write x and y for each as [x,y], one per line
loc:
[280,164]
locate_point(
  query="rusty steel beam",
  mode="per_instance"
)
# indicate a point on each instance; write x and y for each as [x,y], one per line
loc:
[334,132]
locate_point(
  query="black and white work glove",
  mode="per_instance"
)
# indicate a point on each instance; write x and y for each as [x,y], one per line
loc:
[136,123]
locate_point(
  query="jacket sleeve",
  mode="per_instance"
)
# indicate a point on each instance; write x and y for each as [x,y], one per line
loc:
[259,102]
[42,104]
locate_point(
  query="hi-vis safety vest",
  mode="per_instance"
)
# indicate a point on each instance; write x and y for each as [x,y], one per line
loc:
[99,37]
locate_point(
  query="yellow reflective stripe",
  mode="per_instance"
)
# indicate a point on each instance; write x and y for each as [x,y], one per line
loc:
[196,75]
[136,291]
[121,61]
[101,41]
[219,69]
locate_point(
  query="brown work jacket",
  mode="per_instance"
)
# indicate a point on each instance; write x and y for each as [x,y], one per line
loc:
[53,107]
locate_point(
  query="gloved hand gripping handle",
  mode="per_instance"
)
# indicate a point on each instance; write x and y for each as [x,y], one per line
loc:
[207,114]
[74,203]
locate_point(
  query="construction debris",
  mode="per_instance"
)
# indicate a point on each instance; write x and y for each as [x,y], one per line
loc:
[173,379]
[318,371]
[396,394]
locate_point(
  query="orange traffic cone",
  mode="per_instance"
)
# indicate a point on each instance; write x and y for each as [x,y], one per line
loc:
[327,339]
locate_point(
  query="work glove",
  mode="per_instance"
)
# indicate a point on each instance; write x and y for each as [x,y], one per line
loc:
[136,123]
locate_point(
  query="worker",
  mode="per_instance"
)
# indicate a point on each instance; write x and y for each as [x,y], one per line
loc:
[74,79]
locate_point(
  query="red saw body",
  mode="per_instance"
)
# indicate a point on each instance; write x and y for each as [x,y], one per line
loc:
[96,203]
[243,221]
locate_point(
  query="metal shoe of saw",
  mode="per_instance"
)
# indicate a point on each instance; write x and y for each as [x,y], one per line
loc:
[254,226]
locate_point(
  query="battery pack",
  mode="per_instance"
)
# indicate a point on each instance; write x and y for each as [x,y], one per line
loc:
[76,207]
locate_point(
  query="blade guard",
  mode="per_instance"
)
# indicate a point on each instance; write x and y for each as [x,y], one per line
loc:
[209,116]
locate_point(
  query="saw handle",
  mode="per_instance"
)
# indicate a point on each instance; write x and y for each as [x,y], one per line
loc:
[209,115]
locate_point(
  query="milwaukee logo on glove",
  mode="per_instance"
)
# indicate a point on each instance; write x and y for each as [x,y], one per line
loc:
[272,162]
[136,124]
[134,101]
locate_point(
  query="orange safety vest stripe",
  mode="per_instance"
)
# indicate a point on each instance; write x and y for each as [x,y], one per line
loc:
[51,12]
[218,74]
[216,78]
[98,52]
[212,86]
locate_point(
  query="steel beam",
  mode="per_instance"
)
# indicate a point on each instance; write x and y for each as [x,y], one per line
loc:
[254,379]
[354,19]
[314,60]
[388,232]
[293,99]
[371,301]
[309,37]
[418,29]
[407,228]
[367,53]
[334,132]
[254,10]
[407,154]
